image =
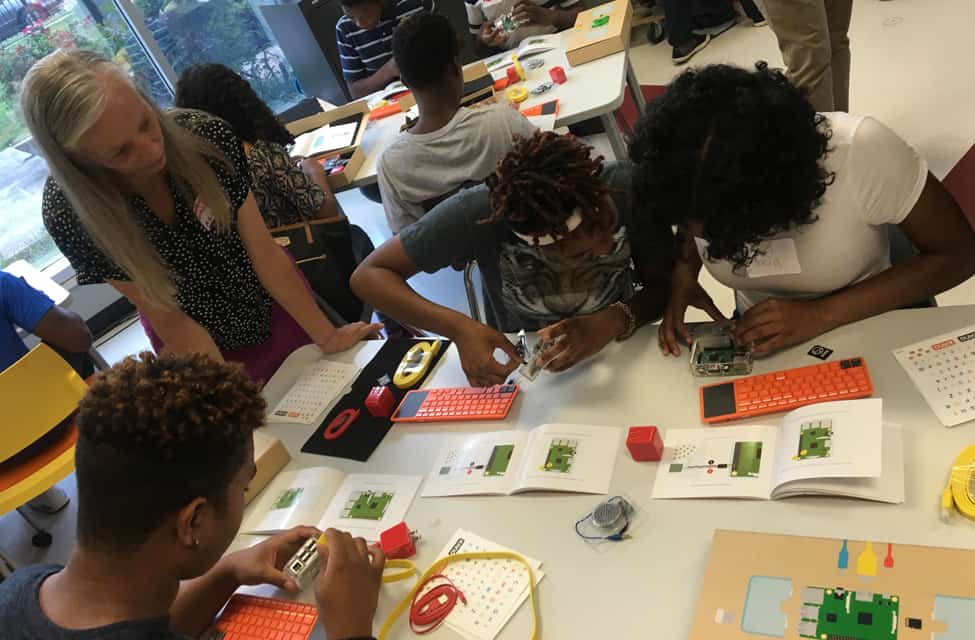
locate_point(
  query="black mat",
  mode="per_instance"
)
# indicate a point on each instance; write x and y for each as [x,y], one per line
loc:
[365,434]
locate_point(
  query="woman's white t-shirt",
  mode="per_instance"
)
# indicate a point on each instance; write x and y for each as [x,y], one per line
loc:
[878,180]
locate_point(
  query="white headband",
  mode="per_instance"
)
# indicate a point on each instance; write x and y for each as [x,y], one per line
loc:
[542,241]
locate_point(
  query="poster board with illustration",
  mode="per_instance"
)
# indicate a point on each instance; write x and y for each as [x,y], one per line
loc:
[760,585]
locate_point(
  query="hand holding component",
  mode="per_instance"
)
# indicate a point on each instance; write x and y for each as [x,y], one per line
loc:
[476,346]
[576,339]
[263,563]
[685,292]
[775,324]
[347,590]
[527,12]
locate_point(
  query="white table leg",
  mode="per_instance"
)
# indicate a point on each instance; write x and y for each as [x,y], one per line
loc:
[615,137]
[634,84]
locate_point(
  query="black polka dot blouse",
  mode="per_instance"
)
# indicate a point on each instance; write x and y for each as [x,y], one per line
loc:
[215,280]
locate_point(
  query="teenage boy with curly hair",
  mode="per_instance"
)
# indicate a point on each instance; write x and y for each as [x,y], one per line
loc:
[163,458]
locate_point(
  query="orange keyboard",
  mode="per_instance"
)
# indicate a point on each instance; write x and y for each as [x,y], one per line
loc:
[456,404]
[785,390]
[256,618]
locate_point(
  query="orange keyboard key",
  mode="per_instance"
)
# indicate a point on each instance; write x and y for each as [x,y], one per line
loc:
[785,390]
[255,618]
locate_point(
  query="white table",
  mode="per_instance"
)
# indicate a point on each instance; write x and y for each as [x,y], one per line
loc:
[595,89]
[647,587]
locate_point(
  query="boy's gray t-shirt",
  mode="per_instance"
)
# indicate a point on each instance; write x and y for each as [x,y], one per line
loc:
[524,286]
[21,616]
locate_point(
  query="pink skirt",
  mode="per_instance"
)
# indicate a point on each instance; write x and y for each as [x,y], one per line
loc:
[261,360]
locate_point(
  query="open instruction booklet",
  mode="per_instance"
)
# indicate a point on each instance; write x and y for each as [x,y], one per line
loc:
[364,504]
[552,457]
[833,449]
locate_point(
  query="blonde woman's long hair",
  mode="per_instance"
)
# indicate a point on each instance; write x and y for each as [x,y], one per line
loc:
[63,96]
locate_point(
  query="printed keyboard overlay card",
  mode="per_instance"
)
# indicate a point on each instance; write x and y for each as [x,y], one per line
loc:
[317,388]
[943,370]
[494,588]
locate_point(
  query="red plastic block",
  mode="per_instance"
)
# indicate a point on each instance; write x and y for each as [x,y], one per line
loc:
[513,77]
[645,444]
[397,542]
[557,74]
[380,402]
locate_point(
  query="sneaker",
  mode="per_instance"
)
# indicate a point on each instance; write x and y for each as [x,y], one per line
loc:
[50,502]
[686,51]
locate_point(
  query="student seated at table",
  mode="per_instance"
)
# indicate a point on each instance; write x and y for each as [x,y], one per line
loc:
[556,236]
[533,17]
[21,305]
[158,205]
[791,208]
[364,36]
[164,456]
[286,192]
[449,146]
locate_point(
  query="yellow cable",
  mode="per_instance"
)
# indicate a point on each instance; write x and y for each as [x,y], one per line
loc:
[438,567]
[406,570]
[958,492]
[406,567]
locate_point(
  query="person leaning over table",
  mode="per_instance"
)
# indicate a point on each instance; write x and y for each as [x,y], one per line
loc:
[791,208]
[560,245]
[158,204]
[286,192]
[149,561]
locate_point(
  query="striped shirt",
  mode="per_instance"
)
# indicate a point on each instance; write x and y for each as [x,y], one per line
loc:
[481,11]
[363,51]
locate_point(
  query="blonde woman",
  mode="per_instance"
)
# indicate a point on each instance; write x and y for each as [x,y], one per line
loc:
[158,205]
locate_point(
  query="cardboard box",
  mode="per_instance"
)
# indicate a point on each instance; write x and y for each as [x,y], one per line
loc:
[270,456]
[600,32]
[355,154]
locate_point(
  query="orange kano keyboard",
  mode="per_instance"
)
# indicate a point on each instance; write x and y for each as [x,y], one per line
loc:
[785,390]
[256,618]
[455,404]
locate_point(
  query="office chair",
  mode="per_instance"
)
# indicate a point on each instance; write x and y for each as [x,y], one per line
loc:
[39,394]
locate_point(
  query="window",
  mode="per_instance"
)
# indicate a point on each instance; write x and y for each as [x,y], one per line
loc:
[230,32]
[185,32]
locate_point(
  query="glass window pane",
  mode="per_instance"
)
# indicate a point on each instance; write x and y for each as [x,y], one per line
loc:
[230,32]
[29,31]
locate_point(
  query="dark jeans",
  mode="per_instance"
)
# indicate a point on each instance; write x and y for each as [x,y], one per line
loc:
[683,16]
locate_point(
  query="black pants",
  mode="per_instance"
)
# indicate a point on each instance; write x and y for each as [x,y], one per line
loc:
[683,16]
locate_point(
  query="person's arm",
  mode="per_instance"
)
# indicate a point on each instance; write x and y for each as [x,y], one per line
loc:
[199,600]
[314,172]
[34,312]
[179,332]
[685,291]
[64,329]
[279,275]
[347,589]
[378,80]
[946,245]
[527,12]
[381,281]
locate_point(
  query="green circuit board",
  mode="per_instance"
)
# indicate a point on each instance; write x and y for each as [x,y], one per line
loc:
[560,455]
[815,439]
[368,505]
[838,614]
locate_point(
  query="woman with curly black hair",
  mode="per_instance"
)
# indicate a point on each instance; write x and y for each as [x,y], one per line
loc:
[790,207]
[285,193]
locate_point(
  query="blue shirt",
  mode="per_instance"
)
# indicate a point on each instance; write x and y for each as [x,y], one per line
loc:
[20,306]
[363,51]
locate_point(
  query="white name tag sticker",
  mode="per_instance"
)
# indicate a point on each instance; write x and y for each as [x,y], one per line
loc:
[777,258]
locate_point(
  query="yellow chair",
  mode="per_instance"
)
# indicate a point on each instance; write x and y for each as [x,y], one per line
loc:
[37,393]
